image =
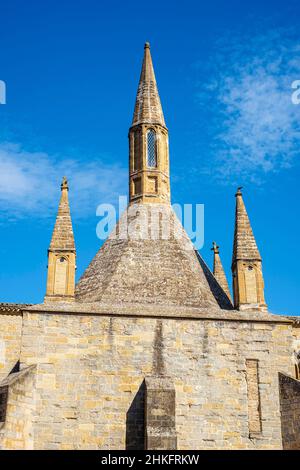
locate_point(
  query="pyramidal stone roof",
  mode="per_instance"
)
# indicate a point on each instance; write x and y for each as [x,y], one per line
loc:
[244,245]
[63,237]
[147,259]
[148,107]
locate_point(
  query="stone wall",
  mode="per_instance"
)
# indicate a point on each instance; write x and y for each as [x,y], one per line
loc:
[10,341]
[253,397]
[17,430]
[296,347]
[160,410]
[290,412]
[90,371]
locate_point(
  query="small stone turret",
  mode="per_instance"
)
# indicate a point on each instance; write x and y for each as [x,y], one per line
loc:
[62,253]
[149,179]
[248,283]
[219,272]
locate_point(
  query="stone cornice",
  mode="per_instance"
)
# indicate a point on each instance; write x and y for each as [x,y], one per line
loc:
[157,311]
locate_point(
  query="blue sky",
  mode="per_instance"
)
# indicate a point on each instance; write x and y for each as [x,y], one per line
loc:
[224,71]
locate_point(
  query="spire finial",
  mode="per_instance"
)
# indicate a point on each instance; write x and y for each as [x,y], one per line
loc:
[215,248]
[239,191]
[148,108]
[64,183]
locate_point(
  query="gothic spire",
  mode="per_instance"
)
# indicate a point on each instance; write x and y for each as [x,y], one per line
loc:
[149,179]
[244,246]
[61,253]
[248,283]
[219,272]
[63,237]
[148,108]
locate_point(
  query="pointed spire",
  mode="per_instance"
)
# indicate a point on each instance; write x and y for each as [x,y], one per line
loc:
[62,254]
[248,283]
[63,237]
[244,246]
[148,108]
[149,179]
[219,272]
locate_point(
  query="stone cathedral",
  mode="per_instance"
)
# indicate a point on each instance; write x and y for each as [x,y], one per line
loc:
[148,350]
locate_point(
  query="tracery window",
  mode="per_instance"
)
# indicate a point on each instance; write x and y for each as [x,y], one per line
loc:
[151,149]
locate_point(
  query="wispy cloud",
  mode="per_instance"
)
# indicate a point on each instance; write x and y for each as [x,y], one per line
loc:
[29,183]
[255,128]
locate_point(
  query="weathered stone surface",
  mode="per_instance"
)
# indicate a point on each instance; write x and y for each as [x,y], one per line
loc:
[149,174]
[244,246]
[248,282]
[151,344]
[63,237]
[90,369]
[17,430]
[10,337]
[160,411]
[219,273]
[254,404]
[161,269]
[290,411]
[62,254]
[147,106]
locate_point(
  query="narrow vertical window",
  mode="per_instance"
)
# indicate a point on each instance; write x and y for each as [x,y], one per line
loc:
[254,410]
[151,149]
[136,151]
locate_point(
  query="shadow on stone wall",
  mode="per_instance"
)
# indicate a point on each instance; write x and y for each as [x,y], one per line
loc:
[135,421]
[289,389]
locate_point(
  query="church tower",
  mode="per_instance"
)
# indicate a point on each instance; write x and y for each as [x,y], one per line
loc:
[219,272]
[148,259]
[149,179]
[248,283]
[62,253]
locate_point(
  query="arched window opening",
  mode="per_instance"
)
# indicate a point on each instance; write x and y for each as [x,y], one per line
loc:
[151,149]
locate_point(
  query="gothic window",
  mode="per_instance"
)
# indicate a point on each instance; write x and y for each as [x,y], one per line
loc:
[151,149]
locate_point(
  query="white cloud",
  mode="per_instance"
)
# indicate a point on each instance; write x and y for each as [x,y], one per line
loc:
[30,183]
[256,126]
